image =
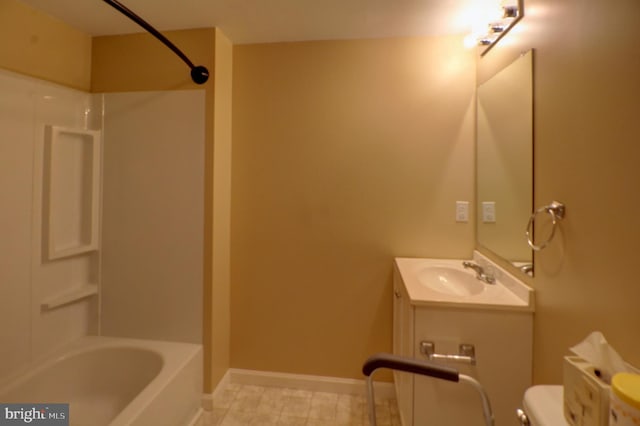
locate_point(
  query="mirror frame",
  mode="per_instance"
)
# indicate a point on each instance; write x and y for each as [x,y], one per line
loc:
[507,133]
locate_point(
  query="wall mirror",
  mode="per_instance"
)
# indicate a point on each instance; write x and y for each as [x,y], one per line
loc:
[504,162]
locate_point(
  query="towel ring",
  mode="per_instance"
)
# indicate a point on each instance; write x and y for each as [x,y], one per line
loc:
[556,210]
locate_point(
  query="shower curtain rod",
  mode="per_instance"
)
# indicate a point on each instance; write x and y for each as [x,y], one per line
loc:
[199,74]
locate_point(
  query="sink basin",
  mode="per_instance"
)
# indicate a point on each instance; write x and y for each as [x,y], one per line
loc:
[450,281]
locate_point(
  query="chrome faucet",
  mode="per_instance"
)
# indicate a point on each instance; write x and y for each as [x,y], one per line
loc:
[480,273]
[527,269]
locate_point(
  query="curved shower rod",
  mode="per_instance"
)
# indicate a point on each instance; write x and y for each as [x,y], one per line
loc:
[199,73]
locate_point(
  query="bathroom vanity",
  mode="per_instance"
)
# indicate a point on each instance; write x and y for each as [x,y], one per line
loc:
[443,312]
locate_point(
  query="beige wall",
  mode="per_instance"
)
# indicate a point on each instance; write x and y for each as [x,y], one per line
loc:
[346,154]
[220,303]
[586,151]
[40,46]
[136,62]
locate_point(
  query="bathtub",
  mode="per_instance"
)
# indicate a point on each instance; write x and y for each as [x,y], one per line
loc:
[116,382]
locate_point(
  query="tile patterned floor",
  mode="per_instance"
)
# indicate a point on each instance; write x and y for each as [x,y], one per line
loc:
[242,405]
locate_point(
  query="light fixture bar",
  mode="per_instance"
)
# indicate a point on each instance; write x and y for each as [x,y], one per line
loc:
[496,30]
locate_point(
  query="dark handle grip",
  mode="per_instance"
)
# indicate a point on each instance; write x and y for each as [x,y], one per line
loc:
[409,365]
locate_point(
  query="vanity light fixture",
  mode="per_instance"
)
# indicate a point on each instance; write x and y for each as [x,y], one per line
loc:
[497,28]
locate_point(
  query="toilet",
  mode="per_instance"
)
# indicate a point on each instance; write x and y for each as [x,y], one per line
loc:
[542,406]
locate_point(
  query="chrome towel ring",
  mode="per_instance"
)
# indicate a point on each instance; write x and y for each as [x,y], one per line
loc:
[556,210]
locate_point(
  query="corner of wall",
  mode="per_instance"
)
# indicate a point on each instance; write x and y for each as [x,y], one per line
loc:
[220,181]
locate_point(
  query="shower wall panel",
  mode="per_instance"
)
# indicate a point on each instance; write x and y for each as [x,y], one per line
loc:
[27,276]
[153,215]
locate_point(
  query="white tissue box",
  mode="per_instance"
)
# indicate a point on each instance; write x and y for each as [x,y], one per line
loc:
[586,396]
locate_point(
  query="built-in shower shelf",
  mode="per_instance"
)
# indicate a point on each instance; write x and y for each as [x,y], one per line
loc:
[72,189]
[70,296]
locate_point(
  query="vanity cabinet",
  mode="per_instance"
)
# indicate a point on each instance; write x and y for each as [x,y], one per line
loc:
[502,337]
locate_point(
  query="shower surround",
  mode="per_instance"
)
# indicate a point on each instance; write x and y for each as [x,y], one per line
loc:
[101,218]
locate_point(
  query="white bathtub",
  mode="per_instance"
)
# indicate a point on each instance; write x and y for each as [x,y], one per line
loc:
[117,382]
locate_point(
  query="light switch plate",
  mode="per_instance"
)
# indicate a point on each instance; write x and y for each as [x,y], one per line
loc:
[462,211]
[488,211]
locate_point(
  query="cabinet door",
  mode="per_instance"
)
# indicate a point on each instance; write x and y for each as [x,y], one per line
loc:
[503,347]
[403,345]
[443,403]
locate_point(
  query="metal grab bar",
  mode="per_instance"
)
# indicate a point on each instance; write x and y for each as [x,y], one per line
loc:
[556,209]
[425,368]
[199,74]
[466,353]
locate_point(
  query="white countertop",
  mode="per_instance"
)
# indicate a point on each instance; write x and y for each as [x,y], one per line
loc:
[508,293]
